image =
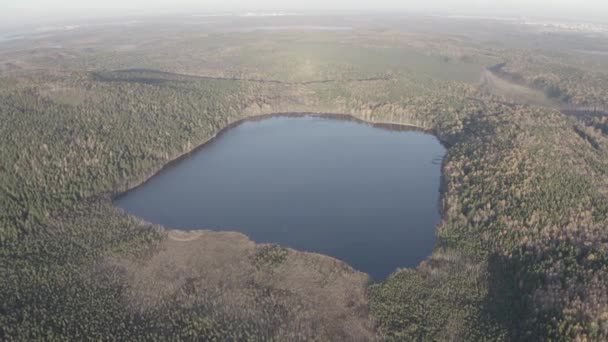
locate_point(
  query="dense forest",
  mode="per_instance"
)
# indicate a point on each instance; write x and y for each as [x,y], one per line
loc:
[522,252]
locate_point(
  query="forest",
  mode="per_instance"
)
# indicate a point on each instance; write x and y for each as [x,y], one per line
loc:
[522,253]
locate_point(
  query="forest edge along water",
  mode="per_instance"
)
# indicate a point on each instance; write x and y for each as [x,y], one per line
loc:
[324,183]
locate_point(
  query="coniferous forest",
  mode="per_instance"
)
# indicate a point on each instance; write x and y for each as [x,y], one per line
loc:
[86,114]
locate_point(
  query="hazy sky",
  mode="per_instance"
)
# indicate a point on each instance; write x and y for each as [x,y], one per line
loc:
[28,11]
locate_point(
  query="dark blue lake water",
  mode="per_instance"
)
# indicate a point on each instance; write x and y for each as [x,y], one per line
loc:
[366,195]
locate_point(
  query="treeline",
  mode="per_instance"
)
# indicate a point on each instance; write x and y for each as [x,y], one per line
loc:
[58,154]
[521,252]
[60,164]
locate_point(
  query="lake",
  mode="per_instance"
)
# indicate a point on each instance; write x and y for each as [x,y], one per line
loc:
[366,195]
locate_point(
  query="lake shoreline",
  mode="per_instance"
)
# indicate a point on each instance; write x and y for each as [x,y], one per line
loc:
[127,187]
[168,227]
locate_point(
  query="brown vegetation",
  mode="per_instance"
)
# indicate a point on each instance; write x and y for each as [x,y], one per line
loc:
[296,297]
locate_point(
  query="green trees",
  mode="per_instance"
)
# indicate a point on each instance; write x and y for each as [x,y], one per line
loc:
[521,254]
